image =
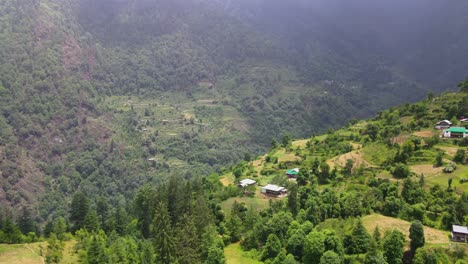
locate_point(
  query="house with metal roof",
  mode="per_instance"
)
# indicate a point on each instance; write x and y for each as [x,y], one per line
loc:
[455,132]
[459,233]
[443,124]
[292,173]
[274,190]
[246,182]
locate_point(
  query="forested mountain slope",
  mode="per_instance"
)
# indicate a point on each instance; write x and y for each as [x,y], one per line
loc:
[382,190]
[104,96]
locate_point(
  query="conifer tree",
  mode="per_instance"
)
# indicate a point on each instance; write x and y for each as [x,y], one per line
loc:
[79,209]
[91,221]
[163,238]
[374,254]
[54,250]
[187,242]
[359,239]
[25,222]
[393,247]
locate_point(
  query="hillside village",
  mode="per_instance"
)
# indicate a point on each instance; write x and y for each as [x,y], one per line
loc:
[406,163]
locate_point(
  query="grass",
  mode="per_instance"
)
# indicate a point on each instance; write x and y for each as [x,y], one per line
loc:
[376,153]
[20,254]
[434,175]
[257,203]
[285,157]
[235,255]
[31,253]
[432,235]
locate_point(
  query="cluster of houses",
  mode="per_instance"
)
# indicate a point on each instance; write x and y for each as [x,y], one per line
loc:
[452,132]
[271,189]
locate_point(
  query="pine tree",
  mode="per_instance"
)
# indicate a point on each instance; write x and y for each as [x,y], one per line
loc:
[59,228]
[393,247]
[215,256]
[374,254]
[292,200]
[359,239]
[25,222]
[96,252]
[79,209]
[163,238]
[377,236]
[54,250]
[147,255]
[187,242]
[144,208]
[91,221]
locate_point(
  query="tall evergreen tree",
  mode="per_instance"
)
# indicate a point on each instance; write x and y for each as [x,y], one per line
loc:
[374,254]
[25,221]
[393,247]
[54,250]
[163,238]
[292,200]
[91,221]
[215,256]
[59,228]
[78,210]
[359,239]
[96,252]
[145,208]
[187,242]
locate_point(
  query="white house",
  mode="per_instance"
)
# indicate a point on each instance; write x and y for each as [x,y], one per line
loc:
[443,124]
[246,182]
[274,190]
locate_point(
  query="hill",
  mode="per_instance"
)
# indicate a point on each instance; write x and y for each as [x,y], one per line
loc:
[386,165]
[102,97]
[371,171]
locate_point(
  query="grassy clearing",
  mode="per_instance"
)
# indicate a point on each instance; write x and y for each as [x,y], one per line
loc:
[300,143]
[20,254]
[434,175]
[286,157]
[376,153]
[356,156]
[425,133]
[257,203]
[449,150]
[31,253]
[235,255]
[433,236]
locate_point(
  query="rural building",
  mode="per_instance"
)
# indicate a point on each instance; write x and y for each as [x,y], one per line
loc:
[443,124]
[459,233]
[274,190]
[455,132]
[292,173]
[246,182]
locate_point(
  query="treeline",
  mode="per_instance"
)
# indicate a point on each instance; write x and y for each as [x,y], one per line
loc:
[172,223]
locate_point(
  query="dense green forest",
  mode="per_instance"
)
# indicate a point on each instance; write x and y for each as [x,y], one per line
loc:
[353,187]
[101,98]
